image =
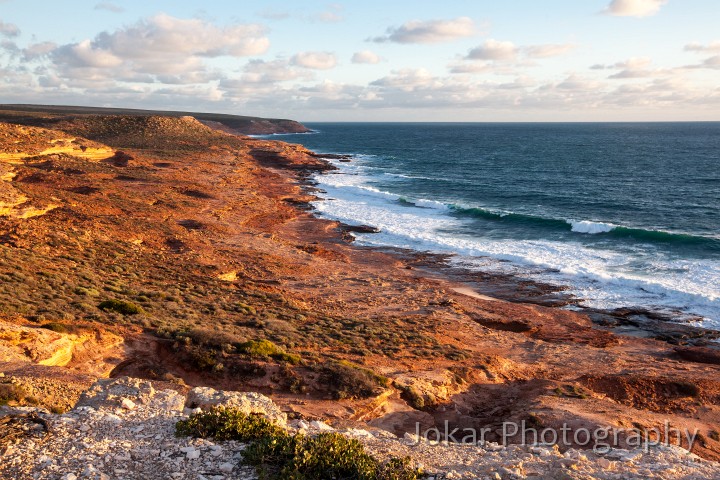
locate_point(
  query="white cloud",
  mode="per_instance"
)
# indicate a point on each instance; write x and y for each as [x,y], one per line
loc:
[333,14]
[85,54]
[365,56]
[635,67]
[37,50]
[406,79]
[431,31]
[110,7]
[548,50]
[634,8]
[259,71]
[162,46]
[470,67]
[713,47]
[712,62]
[9,29]
[314,60]
[165,35]
[493,50]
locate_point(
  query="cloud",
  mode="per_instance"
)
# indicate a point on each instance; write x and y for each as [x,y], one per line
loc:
[38,50]
[314,60]
[406,79]
[713,47]
[712,62]
[365,56]
[499,56]
[333,14]
[470,67]
[548,50]
[173,48]
[9,29]
[431,31]
[634,8]
[267,72]
[635,67]
[110,7]
[493,50]
[271,14]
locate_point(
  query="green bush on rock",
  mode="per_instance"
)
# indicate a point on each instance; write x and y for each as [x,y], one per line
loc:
[278,455]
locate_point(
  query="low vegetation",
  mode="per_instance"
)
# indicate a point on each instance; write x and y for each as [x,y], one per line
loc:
[266,348]
[120,306]
[347,380]
[12,394]
[278,455]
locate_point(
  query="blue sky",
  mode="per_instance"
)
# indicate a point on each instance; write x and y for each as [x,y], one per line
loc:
[416,60]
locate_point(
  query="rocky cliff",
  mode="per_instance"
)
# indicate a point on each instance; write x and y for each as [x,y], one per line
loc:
[236,124]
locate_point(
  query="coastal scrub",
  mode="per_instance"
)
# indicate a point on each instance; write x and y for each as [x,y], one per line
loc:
[277,454]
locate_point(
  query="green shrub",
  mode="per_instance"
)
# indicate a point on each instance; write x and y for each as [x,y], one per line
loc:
[347,380]
[266,348]
[224,423]
[290,358]
[277,455]
[90,292]
[55,327]
[120,306]
[260,348]
[203,358]
[413,397]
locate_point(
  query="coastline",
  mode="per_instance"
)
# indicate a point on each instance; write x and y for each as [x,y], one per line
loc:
[514,287]
[230,225]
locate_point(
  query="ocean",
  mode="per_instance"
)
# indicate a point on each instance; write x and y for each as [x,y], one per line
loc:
[622,214]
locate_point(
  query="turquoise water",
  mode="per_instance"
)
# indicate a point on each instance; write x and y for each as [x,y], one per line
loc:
[623,214]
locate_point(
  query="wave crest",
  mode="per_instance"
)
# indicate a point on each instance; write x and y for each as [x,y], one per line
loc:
[586,226]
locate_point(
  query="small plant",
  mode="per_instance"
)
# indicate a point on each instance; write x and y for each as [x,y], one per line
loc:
[55,327]
[260,348]
[571,391]
[224,423]
[285,357]
[413,397]
[12,393]
[120,306]
[277,455]
[347,380]
[266,348]
[90,292]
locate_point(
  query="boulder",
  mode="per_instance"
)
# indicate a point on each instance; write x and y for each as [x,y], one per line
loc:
[247,402]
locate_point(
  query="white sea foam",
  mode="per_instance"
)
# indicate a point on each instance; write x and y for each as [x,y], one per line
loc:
[602,278]
[585,226]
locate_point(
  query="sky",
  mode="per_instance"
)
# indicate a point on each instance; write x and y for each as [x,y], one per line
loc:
[419,60]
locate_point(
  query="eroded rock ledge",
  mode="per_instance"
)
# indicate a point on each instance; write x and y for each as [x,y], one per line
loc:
[125,428]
